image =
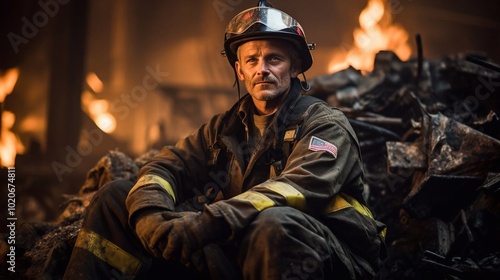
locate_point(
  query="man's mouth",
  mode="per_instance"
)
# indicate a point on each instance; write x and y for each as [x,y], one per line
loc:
[263,82]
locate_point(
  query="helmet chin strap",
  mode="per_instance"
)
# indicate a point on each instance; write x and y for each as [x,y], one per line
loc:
[304,84]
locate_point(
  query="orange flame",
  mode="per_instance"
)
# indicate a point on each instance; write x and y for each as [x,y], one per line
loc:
[376,33]
[10,144]
[94,82]
[97,109]
[7,82]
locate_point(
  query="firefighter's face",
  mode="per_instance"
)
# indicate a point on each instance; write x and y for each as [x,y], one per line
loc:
[266,67]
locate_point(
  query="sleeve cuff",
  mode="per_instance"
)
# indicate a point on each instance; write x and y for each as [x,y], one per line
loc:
[148,197]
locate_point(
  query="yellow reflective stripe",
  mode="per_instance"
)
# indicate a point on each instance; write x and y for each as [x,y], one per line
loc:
[342,201]
[154,179]
[293,197]
[383,232]
[108,252]
[338,203]
[358,206]
[258,200]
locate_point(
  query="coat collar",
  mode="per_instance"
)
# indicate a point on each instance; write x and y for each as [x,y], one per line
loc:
[239,113]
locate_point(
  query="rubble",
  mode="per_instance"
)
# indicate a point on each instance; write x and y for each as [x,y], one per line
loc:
[44,248]
[429,135]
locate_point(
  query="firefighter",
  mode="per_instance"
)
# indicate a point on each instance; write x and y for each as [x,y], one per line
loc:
[271,189]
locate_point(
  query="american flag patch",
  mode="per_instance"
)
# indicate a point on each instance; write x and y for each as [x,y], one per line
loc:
[317,144]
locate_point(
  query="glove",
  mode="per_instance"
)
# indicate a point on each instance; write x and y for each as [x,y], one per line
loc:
[152,230]
[190,233]
[145,205]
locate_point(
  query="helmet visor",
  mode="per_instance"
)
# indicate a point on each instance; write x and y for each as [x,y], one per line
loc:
[272,18]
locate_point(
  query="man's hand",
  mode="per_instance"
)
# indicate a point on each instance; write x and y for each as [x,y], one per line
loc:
[177,235]
[151,229]
[190,233]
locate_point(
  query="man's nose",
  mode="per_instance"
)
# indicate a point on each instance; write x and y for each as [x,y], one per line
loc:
[263,68]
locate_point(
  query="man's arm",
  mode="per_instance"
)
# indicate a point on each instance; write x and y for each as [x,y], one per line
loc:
[312,176]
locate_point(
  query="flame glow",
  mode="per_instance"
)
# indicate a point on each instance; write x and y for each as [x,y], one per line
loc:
[375,33]
[10,145]
[7,82]
[94,82]
[97,110]
[106,122]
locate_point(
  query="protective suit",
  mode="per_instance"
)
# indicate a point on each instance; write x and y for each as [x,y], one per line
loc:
[227,202]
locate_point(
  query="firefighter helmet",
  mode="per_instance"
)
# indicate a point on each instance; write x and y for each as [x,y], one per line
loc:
[265,22]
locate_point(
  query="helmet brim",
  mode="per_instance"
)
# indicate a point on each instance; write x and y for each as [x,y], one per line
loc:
[264,23]
[231,46]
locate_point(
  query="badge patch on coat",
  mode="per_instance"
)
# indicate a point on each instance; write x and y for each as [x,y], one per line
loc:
[318,144]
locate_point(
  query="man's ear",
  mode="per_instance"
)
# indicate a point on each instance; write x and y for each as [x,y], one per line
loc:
[237,66]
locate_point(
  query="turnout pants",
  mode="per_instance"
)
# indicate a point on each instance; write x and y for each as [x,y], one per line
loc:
[281,243]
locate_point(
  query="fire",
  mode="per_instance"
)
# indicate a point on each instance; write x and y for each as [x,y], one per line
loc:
[7,82]
[376,32]
[94,82]
[10,145]
[97,109]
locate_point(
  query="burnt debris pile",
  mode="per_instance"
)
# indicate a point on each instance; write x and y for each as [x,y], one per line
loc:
[429,134]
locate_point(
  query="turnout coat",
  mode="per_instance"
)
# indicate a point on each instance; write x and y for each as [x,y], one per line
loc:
[308,158]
